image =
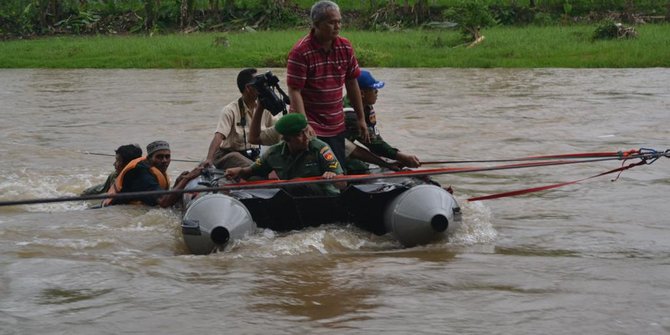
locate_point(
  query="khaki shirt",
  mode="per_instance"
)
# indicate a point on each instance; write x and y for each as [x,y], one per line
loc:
[230,126]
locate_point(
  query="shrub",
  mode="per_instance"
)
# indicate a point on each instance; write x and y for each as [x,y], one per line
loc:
[471,17]
[608,30]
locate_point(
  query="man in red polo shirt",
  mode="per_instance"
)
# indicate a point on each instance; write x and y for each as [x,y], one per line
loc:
[319,66]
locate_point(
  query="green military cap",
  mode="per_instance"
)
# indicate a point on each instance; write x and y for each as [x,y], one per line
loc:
[291,124]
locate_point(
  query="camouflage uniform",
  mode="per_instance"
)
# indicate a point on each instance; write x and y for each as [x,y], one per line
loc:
[377,145]
[101,188]
[315,161]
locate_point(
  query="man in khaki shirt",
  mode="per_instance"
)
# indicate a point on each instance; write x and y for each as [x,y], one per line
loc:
[230,146]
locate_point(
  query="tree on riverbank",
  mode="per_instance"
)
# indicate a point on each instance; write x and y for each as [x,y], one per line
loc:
[471,16]
[27,18]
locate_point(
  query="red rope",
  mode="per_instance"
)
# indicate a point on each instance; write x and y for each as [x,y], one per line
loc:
[395,174]
[549,187]
[613,154]
[619,154]
[642,154]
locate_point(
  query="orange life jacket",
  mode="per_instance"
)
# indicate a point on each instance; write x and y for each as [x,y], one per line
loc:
[163,180]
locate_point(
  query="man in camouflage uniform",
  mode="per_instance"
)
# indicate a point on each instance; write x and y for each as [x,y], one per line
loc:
[296,156]
[369,87]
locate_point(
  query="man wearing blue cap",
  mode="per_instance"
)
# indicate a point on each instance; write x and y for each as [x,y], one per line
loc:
[369,87]
[298,155]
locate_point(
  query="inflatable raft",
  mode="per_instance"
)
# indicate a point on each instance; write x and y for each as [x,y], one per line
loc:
[415,211]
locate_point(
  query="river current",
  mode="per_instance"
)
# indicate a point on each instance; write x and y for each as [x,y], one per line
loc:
[589,258]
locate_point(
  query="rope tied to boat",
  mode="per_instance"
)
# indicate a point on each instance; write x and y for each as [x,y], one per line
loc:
[652,154]
[617,155]
[625,154]
[645,155]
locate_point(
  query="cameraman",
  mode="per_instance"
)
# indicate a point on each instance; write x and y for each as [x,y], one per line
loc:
[230,146]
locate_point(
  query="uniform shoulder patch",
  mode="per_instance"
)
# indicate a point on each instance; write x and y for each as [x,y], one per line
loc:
[327,154]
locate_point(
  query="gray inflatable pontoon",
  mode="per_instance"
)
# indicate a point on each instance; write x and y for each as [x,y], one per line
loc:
[415,211]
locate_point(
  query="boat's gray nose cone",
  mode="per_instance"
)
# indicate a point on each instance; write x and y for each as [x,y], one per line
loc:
[421,214]
[220,235]
[213,220]
[439,223]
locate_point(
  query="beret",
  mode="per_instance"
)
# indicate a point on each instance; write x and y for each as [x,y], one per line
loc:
[291,124]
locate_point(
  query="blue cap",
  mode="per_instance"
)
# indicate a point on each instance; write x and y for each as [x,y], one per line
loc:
[367,81]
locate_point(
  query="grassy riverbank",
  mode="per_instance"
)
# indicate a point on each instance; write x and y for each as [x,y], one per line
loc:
[527,47]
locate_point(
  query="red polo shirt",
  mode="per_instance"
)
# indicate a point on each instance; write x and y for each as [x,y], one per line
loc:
[320,76]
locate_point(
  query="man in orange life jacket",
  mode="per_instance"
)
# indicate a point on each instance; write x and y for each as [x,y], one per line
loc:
[124,155]
[150,174]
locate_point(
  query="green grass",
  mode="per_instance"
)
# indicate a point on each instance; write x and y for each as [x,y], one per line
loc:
[527,47]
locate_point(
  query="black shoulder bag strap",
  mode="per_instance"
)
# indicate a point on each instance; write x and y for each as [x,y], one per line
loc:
[243,122]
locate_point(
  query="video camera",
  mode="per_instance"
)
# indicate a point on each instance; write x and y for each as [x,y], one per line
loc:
[267,86]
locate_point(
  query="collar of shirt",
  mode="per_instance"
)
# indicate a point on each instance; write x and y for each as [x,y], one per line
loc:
[247,114]
[316,45]
[286,152]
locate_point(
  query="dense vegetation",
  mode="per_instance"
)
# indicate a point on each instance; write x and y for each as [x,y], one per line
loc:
[527,47]
[28,18]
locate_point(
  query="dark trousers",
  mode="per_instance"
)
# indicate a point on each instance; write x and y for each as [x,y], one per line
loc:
[336,143]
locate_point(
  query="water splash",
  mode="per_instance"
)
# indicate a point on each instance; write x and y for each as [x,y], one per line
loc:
[477,225]
[476,228]
[31,184]
[326,239]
